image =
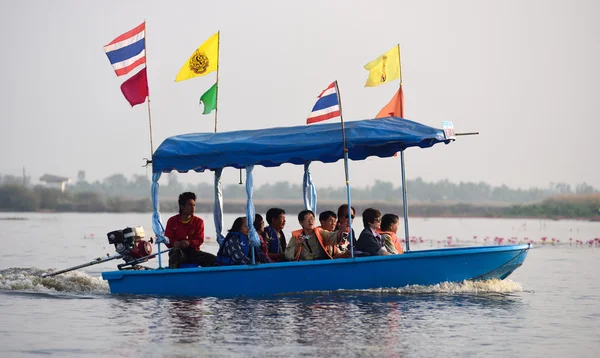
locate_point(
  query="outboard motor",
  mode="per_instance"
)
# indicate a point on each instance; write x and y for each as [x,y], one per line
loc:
[129,243]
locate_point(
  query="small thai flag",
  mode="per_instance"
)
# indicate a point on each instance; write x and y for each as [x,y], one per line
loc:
[127,51]
[327,106]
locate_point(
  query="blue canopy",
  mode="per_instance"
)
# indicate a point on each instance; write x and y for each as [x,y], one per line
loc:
[272,147]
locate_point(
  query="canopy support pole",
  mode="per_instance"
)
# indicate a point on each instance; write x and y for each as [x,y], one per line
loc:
[337,90]
[250,212]
[349,201]
[404,201]
[218,207]
[157,225]
[308,190]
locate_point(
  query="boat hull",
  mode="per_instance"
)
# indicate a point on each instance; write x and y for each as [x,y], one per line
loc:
[427,267]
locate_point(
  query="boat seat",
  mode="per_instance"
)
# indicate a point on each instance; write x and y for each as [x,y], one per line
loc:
[188,265]
[358,253]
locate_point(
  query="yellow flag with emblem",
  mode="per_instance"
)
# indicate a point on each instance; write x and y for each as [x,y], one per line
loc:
[384,68]
[203,61]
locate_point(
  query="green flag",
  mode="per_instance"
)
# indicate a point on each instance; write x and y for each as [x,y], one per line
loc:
[209,99]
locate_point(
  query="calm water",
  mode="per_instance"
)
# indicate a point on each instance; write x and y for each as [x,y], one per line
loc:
[549,307]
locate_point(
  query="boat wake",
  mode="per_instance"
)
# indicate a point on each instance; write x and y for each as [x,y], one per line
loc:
[493,286]
[471,287]
[30,280]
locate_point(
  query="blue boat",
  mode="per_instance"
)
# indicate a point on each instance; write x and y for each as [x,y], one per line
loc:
[302,145]
[426,267]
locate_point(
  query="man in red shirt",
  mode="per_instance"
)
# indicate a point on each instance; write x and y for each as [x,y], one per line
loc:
[186,234]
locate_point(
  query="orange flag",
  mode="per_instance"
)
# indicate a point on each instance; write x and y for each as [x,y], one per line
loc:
[395,108]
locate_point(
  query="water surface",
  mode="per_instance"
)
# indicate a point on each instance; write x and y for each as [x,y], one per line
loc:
[549,307]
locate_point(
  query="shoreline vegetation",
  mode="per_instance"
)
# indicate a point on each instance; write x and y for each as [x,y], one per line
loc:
[556,204]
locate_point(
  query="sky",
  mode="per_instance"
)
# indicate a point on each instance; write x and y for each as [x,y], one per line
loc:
[524,74]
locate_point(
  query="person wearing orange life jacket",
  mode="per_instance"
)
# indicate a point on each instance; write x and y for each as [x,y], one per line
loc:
[389,227]
[310,242]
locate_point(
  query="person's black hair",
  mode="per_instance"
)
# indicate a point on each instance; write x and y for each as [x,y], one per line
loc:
[388,220]
[303,213]
[273,213]
[344,207]
[326,215]
[237,224]
[184,197]
[257,219]
[369,216]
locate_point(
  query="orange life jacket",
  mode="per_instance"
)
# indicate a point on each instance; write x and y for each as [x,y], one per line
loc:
[395,240]
[296,235]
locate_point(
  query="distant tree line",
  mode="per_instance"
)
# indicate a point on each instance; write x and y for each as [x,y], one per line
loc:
[442,191]
[116,193]
[16,197]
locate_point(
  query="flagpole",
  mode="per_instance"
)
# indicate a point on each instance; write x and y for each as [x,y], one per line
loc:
[402,166]
[337,90]
[218,175]
[217,90]
[149,113]
[400,92]
[150,123]
[399,65]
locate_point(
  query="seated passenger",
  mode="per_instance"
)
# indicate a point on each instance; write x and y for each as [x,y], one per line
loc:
[310,242]
[259,226]
[342,216]
[328,220]
[389,228]
[370,242]
[235,249]
[274,234]
[186,234]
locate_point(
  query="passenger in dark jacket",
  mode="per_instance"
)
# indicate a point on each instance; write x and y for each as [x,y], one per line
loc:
[370,242]
[236,247]
[274,234]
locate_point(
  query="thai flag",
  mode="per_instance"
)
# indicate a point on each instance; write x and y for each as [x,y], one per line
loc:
[127,51]
[327,106]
